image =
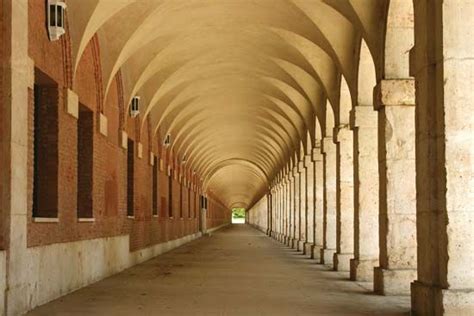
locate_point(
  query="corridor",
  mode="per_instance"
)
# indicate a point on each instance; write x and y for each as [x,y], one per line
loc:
[236,271]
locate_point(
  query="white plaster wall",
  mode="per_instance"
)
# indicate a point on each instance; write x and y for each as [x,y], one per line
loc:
[257,215]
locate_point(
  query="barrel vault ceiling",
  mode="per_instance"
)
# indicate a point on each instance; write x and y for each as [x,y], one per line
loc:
[244,87]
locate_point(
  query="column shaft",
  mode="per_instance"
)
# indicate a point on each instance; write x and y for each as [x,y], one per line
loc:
[302,206]
[309,242]
[345,199]
[443,64]
[329,246]
[397,215]
[319,203]
[366,194]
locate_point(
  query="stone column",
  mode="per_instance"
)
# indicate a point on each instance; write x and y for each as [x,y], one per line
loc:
[309,242]
[18,76]
[280,209]
[443,64]
[366,194]
[318,203]
[302,199]
[329,160]
[289,208]
[395,102]
[296,208]
[345,198]
[270,210]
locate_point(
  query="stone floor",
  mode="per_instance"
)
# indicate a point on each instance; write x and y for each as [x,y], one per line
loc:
[236,271]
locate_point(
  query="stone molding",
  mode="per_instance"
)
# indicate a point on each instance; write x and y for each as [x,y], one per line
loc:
[394,92]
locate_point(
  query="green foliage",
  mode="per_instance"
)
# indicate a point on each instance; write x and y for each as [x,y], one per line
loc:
[238,213]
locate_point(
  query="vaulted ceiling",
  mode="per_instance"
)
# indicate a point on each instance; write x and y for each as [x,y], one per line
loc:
[243,87]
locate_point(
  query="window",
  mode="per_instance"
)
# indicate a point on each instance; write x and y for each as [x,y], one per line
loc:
[85,150]
[45,146]
[155,186]
[130,177]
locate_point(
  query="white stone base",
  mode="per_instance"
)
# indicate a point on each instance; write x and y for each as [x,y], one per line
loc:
[294,243]
[342,261]
[317,253]
[308,250]
[300,245]
[75,265]
[430,300]
[393,282]
[327,256]
[363,270]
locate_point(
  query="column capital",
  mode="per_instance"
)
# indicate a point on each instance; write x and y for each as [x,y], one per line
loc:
[339,130]
[363,116]
[317,154]
[326,144]
[308,160]
[294,171]
[301,166]
[394,92]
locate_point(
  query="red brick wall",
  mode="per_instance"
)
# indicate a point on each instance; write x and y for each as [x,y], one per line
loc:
[109,168]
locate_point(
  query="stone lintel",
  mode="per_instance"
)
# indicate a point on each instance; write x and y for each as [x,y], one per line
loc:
[394,92]
[103,125]
[124,140]
[72,103]
[140,150]
[151,158]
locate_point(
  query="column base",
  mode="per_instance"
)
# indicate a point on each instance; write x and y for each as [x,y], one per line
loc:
[294,243]
[430,300]
[317,253]
[327,256]
[342,261]
[393,282]
[308,250]
[300,246]
[363,270]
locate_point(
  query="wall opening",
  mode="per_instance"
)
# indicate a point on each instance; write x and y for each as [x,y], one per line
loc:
[130,176]
[155,186]
[45,146]
[85,149]
[238,216]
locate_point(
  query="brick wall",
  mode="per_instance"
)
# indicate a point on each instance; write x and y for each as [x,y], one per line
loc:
[109,159]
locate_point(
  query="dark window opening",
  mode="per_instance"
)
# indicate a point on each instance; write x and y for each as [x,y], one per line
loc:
[130,177]
[85,150]
[45,146]
[155,186]
[52,15]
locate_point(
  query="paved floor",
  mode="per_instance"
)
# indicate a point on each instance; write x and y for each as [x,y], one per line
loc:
[236,271]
